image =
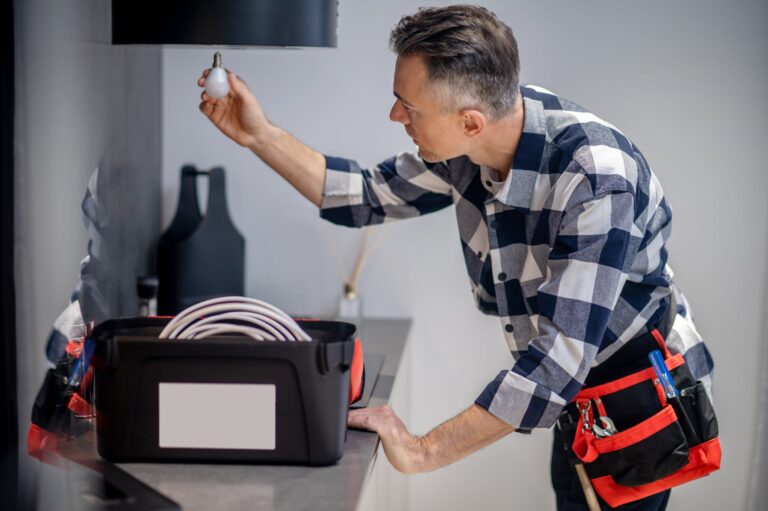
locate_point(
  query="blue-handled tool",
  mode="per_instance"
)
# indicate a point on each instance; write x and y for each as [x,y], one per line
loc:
[667,383]
[662,373]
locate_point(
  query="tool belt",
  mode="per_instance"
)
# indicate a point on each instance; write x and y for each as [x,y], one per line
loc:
[632,437]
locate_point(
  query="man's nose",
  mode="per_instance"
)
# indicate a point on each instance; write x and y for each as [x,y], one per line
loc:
[398,113]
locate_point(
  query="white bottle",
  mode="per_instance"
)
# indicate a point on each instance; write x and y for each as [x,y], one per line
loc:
[217,84]
[147,287]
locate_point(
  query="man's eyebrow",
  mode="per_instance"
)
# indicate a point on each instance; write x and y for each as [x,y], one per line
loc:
[401,99]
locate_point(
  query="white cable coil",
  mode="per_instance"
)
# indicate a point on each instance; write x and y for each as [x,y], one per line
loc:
[234,315]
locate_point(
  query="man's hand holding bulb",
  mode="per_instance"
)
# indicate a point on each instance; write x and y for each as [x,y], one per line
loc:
[236,112]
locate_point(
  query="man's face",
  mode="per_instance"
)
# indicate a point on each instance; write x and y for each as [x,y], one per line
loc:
[439,136]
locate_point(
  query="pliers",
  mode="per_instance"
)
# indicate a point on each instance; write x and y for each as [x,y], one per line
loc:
[608,429]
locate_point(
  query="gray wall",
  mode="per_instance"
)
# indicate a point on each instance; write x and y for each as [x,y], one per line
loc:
[685,80]
[81,103]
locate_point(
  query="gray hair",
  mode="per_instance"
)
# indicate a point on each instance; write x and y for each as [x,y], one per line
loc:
[471,56]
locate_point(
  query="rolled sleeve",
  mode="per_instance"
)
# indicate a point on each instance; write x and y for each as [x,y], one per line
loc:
[401,187]
[585,275]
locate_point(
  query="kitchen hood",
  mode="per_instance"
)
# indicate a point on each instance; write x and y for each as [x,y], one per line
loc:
[225,22]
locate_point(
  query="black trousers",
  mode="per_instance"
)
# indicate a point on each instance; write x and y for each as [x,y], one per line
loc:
[570,495]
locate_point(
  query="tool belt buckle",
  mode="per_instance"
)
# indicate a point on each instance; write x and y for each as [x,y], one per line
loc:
[584,408]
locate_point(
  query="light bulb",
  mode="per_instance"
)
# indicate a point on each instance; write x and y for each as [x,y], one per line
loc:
[217,85]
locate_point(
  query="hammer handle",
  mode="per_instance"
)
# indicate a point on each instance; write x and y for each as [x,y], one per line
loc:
[589,491]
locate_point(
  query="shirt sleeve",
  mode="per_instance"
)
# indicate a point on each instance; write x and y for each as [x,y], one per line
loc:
[401,187]
[585,275]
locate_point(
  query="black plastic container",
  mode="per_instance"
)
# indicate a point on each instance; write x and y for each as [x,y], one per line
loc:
[311,381]
[200,257]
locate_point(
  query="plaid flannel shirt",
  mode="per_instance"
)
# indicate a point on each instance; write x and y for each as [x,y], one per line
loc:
[568,250]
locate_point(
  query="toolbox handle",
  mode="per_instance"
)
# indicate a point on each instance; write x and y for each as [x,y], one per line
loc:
[336,354]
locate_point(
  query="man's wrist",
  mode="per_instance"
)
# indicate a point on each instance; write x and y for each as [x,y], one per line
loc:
[426,456]
[415,455]
[266,137]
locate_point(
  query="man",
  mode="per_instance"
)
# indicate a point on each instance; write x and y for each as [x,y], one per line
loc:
[562,224]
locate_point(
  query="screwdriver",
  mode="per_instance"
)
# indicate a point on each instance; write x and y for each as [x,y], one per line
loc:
[667,383]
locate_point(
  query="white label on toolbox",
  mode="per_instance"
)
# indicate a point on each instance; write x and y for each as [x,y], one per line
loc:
[217,415]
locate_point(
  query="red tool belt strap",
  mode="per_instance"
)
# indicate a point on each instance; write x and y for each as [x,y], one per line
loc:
[702,460]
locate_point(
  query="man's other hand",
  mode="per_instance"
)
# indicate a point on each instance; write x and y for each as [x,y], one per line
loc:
[404,451]
[460,436]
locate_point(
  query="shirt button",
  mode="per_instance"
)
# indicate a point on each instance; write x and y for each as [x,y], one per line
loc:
[502,276]
[479,255]
[508,327]
[489,184]
[494,224]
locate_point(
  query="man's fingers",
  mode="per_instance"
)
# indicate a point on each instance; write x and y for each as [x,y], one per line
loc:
[373,419]
[206,107]
[201,80]
[237,84]
[219,110]
[357,420]
[363,419]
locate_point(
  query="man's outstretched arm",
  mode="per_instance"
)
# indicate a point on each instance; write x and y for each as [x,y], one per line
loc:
[239,116]
[470,431]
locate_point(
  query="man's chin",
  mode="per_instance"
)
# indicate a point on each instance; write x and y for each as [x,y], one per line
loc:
[429,157]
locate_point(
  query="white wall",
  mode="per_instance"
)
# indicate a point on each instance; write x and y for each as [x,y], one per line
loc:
[685,80]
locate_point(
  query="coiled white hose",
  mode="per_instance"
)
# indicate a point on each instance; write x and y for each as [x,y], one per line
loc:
[234,314]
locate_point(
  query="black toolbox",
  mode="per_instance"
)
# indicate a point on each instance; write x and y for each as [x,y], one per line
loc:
[221,399]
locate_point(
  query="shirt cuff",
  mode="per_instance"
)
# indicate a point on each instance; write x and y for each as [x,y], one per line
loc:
[520,402]
[343,184]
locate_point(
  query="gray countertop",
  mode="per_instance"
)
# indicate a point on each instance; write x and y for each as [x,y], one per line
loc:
[287,487]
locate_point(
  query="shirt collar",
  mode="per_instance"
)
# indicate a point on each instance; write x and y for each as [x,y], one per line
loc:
[517,190]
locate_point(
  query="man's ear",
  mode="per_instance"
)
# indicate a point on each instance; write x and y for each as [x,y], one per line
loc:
[473,122]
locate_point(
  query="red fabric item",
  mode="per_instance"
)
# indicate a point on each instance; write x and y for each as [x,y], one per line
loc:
[75,347]
[636,433]
[40,442]
[633,379]
[662,344]
[356,372]
[588,447]
[703,459]
[584,441]
[79,406]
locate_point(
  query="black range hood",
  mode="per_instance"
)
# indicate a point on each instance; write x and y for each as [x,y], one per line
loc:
[225,22]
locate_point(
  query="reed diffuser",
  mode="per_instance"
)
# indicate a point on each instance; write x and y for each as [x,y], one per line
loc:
[350,302]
